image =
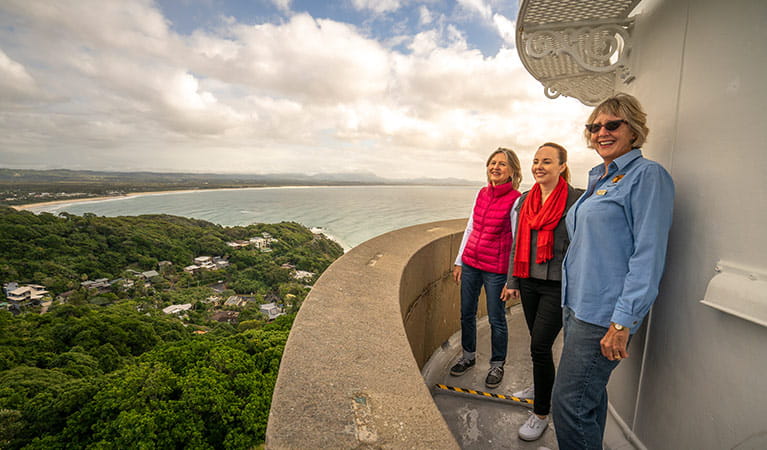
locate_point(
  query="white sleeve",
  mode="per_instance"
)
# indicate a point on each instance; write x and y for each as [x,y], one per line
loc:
[466,234]
[514,218]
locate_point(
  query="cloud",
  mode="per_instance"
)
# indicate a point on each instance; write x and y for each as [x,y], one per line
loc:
[477,6]
[425,16]
[15,81]
[506,29]
[134,26]
[378,6]
[314,60]
[282,5]
[310,95]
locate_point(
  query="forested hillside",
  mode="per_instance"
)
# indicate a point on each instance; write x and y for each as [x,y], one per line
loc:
[106,368]
[61,251]
[90,377]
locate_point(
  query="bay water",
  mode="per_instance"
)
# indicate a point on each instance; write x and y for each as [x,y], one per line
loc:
[349,214]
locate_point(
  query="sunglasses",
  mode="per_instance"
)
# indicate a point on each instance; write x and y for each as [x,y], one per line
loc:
[609,126]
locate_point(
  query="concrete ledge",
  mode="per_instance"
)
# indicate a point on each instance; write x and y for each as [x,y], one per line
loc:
[350,375]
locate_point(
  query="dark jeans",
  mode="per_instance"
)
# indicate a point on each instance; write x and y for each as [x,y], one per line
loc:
[580,389]
[541,301]
[472,280]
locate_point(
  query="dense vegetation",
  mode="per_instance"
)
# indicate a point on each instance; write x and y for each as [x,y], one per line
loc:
[60,252]
[110,369]
[88,377]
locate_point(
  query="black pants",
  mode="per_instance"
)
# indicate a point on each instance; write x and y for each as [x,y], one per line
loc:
[541,301]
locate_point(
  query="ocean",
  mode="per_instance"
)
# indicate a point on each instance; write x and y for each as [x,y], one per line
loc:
[349,214]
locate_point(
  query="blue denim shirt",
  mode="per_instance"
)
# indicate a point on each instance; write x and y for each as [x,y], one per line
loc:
[618,234]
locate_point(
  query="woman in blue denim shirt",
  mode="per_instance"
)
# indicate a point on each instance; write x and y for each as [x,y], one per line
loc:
[618,234]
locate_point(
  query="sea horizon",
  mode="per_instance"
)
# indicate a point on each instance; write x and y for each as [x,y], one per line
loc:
[348,214]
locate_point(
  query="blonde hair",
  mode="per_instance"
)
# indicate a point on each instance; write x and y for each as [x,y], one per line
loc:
[562,153]
[628,108]
[516,167]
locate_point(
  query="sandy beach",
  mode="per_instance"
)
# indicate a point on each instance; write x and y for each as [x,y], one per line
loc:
[137,194]
[108,197]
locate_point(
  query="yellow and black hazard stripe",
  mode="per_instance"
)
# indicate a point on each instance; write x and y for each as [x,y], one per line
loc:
[486,395]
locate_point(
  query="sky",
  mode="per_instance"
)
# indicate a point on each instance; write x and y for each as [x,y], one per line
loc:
[396,88]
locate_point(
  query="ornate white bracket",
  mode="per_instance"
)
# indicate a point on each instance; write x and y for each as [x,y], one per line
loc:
[585,58]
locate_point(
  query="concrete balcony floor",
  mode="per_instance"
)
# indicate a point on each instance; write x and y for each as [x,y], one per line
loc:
[480,422]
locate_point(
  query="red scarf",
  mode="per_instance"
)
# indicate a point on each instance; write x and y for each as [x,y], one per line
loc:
[544,218]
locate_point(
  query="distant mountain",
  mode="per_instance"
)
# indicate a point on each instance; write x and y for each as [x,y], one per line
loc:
[28,176]
[445,182]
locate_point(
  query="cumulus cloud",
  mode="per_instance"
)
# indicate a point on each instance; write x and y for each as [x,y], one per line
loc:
[126,92]
[317,60]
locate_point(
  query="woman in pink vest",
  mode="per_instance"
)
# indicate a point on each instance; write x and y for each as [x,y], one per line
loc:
[483,260]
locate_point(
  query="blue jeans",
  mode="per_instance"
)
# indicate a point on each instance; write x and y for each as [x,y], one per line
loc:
[472,280]
[579,399]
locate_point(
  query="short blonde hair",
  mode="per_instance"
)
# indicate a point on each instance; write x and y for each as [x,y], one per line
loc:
[516,167]
[628,108]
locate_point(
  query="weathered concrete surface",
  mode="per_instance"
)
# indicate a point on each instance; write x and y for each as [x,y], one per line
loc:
[429,298]
[348,377]
[351,374]
[478,422]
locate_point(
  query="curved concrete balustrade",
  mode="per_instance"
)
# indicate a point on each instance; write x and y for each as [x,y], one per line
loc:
[350,375]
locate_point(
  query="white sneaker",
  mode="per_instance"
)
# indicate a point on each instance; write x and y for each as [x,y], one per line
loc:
[533,428]
[526,393]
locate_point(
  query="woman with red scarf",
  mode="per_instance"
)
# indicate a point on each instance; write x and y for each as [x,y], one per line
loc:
[535,272]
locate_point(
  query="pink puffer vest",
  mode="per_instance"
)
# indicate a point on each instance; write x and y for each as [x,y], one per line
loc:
[490,241]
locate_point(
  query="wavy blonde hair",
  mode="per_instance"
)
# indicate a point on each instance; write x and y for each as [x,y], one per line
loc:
[516,167]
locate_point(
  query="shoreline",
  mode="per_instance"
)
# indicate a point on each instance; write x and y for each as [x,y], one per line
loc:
[28,206]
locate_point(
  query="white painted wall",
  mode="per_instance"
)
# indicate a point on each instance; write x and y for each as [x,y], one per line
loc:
[701,69]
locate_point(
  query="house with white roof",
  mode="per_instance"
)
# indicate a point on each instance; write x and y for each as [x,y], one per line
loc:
[303,275]
[201,260]
[238,244]
[271,311]
[262,243]
[30,292]
[177,309]
[150,274]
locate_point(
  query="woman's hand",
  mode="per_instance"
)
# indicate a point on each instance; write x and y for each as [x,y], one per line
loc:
[614,344]
[457,274]
[509,294]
